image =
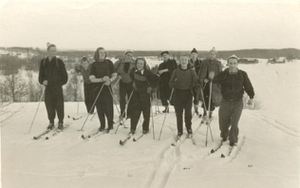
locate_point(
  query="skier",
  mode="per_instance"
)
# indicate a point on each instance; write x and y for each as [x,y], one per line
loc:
[102,72]
[196,64]
[165,70]
[233,83]
[143,83]
[88,87]
[53,75]
[123,68]
[183,80]
[210,66]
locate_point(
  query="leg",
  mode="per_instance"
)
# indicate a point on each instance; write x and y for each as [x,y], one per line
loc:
[109,108]
[122,93]
[135,114]
[49,103]
[188,112]
[224,118]
[60,105]
[146,112]
[235,117]
[100,111]
[89,97]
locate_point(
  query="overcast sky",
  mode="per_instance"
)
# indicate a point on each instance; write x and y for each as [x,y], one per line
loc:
[150,25]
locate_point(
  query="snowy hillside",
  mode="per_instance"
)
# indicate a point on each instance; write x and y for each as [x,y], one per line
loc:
[267,154]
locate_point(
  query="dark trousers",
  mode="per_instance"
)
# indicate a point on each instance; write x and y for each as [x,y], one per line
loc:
[140,103]
[206,94]
[165,92]
[125,90]
[54,101]
[183,100]
[89,97]
[229,116]
[104,107]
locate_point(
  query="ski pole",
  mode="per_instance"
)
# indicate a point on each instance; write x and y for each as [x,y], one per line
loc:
[90,111]
[152,119]
[37,109]
[126,107]
[165,116]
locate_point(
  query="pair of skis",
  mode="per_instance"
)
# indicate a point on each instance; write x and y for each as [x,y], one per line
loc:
[224,154]
[47,134]
[95,134]
[135,139]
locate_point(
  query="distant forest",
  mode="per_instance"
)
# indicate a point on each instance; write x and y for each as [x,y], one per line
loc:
[289,53]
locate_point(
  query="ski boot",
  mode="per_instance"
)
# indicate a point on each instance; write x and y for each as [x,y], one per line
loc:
[145,131]
[60,126]
[50,126]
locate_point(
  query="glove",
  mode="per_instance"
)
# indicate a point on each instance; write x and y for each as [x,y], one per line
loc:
[45,82]
[105,78]
[134,86]
[250,102]
[211,75]
[149,90]
[205,80]
[107,82]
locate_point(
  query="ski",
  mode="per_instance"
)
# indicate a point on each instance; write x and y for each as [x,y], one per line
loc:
[178,140]
[74,118]
[228,153]
[42,134]
[84,137]
[213,150]
[122,142]
[138,138]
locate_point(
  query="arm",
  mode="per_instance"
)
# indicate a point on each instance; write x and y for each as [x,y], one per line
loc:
[248,86]
[41,72]
[172,79]
[64,74]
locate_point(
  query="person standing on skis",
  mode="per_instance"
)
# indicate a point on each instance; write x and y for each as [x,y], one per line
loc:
[123,68]
[103,73]
[165,70]
[196,64]
[84,69]
[211,65]
[144,81]
[233,83]
[53,75]
[183,80]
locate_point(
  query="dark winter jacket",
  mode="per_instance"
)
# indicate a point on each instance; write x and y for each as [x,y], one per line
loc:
[209,65]
[183,79]
[171,65]
[234,85]
[101,69]
[53,71]
[84,72]
[123,69]
[143,81]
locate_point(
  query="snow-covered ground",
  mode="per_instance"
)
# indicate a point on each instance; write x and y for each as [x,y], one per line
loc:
[267,154]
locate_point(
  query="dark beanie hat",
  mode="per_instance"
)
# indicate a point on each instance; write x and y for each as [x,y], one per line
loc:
[194,50]
[164,52]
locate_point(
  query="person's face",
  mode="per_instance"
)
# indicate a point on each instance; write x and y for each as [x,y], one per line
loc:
[101,54]
[128,57]
[232,63]
[194,55]
[184,61]
[140,64]
[166,56]
[212,55]
[52,50]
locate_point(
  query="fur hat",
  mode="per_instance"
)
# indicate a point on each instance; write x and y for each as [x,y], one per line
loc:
[164,52]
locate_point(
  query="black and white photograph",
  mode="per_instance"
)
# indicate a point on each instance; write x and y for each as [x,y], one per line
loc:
[150,93]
